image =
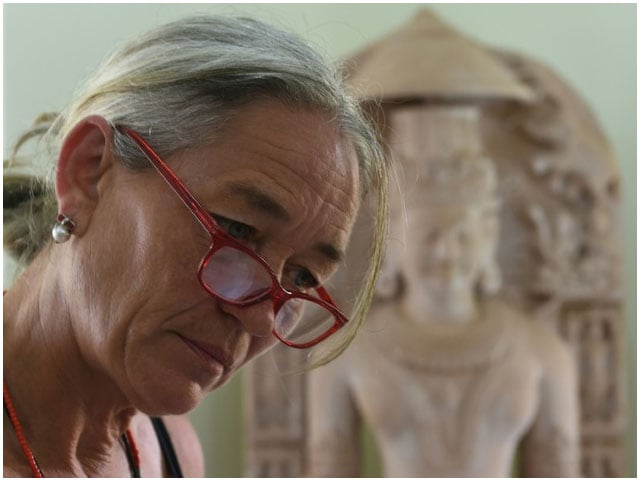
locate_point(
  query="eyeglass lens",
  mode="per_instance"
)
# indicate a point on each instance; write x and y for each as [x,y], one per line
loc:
[235,276]
[301,321]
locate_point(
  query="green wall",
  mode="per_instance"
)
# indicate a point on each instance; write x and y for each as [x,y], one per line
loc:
[49,48]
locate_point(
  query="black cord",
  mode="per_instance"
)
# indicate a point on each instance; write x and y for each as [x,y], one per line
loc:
[133,466]
[169,453]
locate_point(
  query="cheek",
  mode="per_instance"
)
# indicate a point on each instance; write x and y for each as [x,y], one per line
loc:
[123,268]
[163,250]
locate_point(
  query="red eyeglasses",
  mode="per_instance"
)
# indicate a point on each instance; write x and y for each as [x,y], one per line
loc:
[235,274]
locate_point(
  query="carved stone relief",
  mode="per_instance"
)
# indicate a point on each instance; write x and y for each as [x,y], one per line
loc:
[570,217]
[508,154]
[275,420]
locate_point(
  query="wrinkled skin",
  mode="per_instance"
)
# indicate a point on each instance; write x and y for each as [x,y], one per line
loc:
[115,322]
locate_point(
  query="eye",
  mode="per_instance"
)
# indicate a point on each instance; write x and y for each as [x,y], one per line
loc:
[430,237]
[238,230]
[300,279]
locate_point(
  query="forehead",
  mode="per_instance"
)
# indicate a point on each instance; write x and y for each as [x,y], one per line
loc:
[268,134]
[445,217]
[291,164]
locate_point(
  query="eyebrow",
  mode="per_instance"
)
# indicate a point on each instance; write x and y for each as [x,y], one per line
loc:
[331,252]
[260,200]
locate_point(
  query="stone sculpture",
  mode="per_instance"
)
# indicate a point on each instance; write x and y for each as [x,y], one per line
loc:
[550,216]
[449,380]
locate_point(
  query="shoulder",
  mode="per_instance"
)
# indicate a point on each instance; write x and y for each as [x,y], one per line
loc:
[544,344]
[10,472]
[14,464]
[551,351]
[550,348]
[187,445]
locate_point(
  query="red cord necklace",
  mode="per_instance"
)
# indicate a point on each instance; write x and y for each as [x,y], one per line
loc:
[131,449]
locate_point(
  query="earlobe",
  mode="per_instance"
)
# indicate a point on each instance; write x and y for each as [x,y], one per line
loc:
[85,157]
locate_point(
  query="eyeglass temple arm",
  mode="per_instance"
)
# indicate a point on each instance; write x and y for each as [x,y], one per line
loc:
[324,295]
[172,180]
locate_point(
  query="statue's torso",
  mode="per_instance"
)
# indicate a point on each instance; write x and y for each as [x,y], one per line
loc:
[459,409]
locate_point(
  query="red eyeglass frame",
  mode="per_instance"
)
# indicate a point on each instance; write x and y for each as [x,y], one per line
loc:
[220,239]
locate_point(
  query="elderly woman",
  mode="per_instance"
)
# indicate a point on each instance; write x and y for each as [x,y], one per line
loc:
[206,182]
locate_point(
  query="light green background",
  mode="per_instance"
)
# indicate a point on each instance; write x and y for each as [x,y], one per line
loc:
[49,48]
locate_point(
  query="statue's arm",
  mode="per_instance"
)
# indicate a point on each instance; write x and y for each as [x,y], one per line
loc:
[333,444]
[551,446]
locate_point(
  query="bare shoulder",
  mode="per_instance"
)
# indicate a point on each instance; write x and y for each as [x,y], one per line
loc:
[552,352]
[187,445]
[544,344]
[14,464]
[9,472]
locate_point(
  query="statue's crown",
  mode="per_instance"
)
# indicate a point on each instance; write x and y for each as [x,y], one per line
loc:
[463,178]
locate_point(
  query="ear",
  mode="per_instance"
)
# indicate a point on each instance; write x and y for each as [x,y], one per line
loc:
[85,157]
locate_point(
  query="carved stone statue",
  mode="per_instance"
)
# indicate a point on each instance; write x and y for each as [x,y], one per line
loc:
[449,380]
[502,269]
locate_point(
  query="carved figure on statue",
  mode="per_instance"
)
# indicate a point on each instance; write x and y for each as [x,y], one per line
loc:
[451,381]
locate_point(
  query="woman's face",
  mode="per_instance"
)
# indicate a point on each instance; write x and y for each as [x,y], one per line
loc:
[282,181]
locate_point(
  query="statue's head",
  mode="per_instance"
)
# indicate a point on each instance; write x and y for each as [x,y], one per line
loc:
[444,224]
[452,228]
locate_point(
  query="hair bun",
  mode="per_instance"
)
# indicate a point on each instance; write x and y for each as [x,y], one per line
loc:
[28,212]
[18,189]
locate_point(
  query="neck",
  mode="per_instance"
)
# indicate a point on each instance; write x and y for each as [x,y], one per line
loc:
[72,414]
[441,306]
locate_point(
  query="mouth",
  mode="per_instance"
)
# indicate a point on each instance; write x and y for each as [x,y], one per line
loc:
[210,353]
[438,269]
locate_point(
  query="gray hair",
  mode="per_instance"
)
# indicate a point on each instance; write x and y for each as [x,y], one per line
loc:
[178,85]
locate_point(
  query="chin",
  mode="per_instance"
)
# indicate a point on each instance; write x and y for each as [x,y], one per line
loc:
[171,378]
[446,285]
[162,399]
[158,391]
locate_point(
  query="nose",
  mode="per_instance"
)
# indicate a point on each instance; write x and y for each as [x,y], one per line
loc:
[600,220]
[444,247]
[257,319]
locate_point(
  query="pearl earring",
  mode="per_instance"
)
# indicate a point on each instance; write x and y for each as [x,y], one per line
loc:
[62,229]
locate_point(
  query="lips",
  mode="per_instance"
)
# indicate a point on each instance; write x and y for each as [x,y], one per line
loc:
[210,352]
